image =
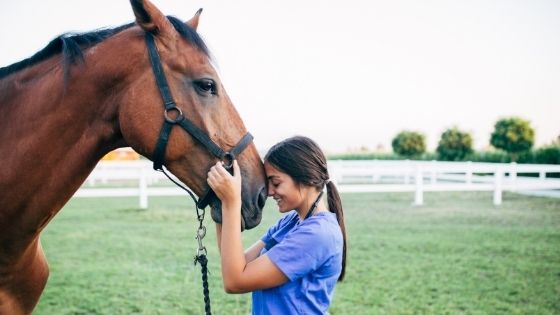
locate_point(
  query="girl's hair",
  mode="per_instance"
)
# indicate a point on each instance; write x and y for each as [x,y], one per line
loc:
[303,160]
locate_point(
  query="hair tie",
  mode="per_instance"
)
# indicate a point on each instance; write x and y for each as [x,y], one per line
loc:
[327,181]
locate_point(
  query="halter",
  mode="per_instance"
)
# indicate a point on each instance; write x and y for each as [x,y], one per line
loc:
[197,133]
[203,138]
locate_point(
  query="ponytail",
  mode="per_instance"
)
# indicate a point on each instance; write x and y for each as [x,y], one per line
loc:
[335,206]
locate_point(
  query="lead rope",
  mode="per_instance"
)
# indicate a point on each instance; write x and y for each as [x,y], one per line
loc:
[200,256]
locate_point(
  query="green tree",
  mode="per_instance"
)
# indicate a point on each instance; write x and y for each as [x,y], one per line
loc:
[548,154]
[513,135]
[409,144]
[454,145]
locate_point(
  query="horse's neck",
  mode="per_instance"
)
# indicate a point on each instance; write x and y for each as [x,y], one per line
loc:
[51,136]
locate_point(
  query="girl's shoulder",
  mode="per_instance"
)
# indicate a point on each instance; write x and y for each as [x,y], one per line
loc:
[287,221]
[323,219]
[291,218]
[322,226]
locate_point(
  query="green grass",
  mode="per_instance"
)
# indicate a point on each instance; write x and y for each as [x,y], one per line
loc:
[458,254]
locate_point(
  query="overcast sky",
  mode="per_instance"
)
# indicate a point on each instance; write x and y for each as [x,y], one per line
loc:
[351,73]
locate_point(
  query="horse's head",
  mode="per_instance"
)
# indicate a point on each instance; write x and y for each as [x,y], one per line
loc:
[199,96]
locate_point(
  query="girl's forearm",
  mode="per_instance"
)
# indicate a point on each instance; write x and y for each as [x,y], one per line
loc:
[233,257]
[219,236]
[254,251]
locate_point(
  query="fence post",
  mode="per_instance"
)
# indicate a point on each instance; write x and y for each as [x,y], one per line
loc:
[498,176]
[419,193]
[143,189]
[513,174]
[433,177]
[542,175]
[469,174]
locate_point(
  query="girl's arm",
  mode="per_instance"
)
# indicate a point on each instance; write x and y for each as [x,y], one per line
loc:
[240,274]
[250,254]
[254,251]
[219,236]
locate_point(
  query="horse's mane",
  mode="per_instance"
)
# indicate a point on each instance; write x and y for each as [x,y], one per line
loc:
[72,44]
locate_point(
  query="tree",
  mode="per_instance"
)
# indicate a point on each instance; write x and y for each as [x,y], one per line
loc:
[454,145]
[409,144]
[513,135]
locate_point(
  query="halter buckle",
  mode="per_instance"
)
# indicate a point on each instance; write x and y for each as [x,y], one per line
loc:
[228,160]
[178,117]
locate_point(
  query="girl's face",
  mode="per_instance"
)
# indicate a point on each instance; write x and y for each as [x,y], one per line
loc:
[285,191]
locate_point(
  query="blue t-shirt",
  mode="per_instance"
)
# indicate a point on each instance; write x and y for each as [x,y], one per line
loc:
[309,253]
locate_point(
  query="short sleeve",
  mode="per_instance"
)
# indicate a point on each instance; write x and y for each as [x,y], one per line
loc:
[303,250]
[269,234]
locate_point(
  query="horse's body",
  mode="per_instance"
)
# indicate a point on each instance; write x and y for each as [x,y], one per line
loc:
[57,121]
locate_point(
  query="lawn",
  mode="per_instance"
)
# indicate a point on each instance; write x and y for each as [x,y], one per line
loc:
[458,254]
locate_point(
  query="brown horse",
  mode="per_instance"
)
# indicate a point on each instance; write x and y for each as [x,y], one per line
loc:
[84,95]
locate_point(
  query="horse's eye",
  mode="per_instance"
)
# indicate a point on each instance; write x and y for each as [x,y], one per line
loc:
[205,86]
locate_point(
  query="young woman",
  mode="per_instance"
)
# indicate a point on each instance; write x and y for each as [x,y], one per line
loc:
[294,267]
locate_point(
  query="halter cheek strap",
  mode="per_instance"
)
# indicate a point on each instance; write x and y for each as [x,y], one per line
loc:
[178,118]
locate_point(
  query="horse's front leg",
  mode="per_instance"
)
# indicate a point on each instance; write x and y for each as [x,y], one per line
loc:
[22,283]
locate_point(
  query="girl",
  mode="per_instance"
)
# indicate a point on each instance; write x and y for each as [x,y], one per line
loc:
[294,267]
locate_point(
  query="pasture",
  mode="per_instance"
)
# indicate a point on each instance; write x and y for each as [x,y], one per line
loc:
[457,254]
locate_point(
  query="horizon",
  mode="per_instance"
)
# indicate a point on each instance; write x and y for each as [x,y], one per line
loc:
[353,74]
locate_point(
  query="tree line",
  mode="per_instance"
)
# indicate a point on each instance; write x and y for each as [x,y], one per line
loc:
[513,138]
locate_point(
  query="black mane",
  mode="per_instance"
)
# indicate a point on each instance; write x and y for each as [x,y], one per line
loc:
[72,44]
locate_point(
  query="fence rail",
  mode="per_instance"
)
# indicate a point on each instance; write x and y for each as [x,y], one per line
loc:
[137,178]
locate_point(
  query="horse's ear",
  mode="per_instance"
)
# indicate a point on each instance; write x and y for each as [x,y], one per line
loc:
[149,17]
[193,22]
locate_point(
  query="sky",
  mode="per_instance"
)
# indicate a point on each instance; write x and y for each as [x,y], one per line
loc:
[351,74]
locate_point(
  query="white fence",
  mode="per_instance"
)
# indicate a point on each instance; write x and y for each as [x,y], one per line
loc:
[137,178]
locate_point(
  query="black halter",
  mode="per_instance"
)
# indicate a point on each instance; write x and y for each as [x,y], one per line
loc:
[187,125]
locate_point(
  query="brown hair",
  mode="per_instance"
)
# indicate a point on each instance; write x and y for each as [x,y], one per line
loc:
[303,160]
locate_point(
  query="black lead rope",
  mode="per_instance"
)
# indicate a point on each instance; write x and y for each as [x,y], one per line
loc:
[203,265]
[201,254]
[201,258]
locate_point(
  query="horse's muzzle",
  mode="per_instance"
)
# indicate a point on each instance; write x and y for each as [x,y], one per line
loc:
[250,217]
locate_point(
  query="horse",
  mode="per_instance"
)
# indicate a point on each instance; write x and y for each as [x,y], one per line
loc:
[87,94]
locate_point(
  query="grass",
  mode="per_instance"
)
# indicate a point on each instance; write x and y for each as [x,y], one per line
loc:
[458,254]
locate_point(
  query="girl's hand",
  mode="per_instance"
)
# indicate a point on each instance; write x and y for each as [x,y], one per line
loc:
[226,186]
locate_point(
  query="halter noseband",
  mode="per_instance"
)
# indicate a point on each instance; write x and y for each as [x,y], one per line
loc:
[187,125]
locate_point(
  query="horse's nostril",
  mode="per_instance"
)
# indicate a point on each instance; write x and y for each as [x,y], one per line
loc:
[261,198]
